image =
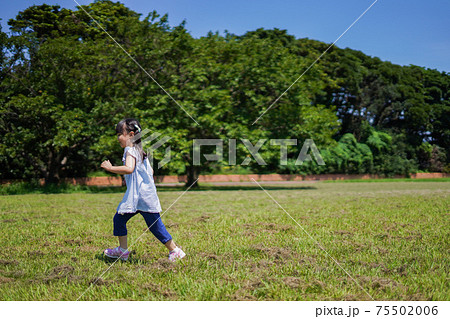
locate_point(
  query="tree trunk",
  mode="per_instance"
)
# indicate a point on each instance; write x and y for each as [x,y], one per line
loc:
[52,177]
[52,170]
[193,173]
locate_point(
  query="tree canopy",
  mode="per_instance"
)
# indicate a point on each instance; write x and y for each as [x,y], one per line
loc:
[65,84]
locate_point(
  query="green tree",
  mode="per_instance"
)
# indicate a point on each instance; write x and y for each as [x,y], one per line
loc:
[385,118]
[78,101]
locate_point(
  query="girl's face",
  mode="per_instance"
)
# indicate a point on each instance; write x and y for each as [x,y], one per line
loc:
[124,138]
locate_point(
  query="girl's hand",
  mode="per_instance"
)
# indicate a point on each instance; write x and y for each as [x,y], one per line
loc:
[106,165]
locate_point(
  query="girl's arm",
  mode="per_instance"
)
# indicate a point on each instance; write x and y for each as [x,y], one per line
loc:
[128,168]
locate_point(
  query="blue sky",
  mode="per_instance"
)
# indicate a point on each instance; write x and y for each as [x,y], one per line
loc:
[401,31]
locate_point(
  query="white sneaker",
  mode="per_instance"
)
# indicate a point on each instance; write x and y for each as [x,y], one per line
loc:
[116,253]
[176,254]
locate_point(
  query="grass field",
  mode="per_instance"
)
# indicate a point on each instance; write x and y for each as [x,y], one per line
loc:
[391,237]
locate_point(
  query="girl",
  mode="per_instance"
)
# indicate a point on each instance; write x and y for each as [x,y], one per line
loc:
[140,196]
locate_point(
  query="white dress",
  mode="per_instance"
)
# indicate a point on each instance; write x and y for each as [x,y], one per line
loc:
[141,190]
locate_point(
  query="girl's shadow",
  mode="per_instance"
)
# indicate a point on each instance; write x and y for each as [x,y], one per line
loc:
[132,258]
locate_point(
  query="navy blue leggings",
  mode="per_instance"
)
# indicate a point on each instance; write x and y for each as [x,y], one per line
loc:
[158,229]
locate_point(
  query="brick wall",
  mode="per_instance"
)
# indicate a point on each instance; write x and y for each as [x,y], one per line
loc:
[117,181]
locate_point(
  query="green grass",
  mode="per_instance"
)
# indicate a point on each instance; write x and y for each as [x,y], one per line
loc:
[393,238]
[21,188]
[384,180]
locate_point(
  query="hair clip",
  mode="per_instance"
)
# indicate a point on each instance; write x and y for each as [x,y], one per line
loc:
[139,130]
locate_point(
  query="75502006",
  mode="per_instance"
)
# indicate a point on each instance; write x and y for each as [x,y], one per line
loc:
[407,310]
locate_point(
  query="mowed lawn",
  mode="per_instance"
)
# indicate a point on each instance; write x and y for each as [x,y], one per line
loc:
[391,237]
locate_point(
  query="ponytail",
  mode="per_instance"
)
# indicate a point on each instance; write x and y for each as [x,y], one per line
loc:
[132,125]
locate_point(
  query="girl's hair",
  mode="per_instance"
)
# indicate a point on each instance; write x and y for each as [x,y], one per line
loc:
[132,125]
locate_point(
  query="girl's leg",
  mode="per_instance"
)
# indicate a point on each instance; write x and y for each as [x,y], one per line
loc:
[123,242]
[170,245]
[156,226]
[120,228]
